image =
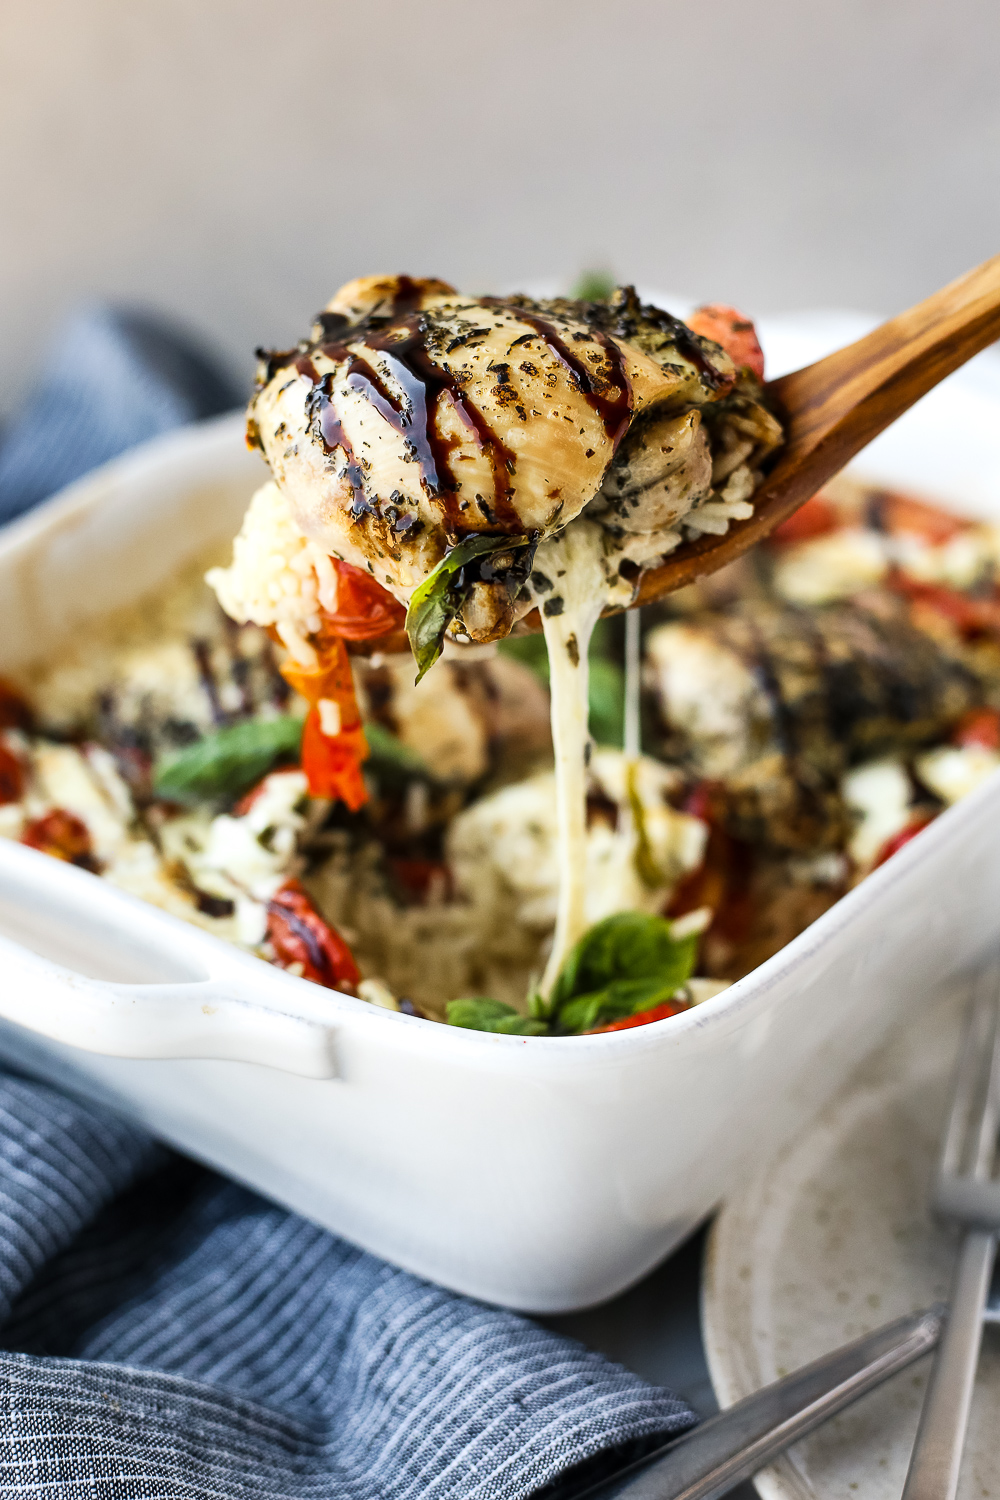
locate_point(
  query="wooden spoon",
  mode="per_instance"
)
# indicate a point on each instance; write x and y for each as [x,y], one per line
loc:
[831,409]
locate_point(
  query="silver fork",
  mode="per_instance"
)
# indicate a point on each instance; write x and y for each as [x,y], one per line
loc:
[704,1464]
[966,1191]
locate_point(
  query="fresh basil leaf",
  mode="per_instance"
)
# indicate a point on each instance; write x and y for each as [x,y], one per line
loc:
[435,602]
[621,998]
[229,761]
[388,753]
[629,945]
[538,1007]
[482,1014]
[581,1014]
[593,286]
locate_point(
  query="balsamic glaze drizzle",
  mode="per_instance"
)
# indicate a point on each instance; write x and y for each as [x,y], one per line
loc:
[398,331]
[323,416]
[626,315]
[692,351]
[403,347]
[610,399]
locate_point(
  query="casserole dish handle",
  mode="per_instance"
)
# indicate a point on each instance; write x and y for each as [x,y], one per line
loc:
[198,1018]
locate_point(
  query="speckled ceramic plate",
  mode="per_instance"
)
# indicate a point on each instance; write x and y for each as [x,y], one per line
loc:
[832,1238]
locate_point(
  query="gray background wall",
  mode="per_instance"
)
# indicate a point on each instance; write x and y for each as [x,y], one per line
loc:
[232,161]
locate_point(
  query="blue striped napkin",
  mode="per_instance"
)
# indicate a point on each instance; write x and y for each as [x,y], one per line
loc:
[171,1336]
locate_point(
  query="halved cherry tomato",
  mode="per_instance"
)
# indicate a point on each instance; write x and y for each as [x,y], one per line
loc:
[969,615]
[901,514]
[332,762]
[656,1013]
[64,836]
[11,776]
[904,836]
[980,726]
[818,517]
[365,610]
[733,331]
[299,935]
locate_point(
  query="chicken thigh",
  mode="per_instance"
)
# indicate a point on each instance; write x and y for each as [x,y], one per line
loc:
[414,419]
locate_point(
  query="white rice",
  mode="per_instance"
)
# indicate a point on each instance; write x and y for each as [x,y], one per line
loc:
[277,576]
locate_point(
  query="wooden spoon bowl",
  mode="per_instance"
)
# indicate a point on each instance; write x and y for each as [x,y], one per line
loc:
[833,408]
[830,411]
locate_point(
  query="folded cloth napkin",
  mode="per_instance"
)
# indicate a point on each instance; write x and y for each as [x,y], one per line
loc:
[172,1335]
[114,377]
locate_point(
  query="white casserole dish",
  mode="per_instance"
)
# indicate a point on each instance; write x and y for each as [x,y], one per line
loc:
[543,1173]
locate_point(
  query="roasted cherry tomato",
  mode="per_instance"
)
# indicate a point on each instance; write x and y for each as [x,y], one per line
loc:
[818,517]
[365,610]
[11,776]
[333,742]
[419,877]
[63,835]
[897,841]
[968,615]
[722,880]
[901,515]
[332,763]
[656,1013]
[299,935]
[733,331]
[980,726]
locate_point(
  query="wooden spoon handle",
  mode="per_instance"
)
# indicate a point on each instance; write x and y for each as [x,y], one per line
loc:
[845,400]
[833,408]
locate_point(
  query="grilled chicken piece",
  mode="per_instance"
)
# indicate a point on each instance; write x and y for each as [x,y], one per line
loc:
[154,679]
[415,417]
[675,461]
[662,468]
[777,702]
[703,372]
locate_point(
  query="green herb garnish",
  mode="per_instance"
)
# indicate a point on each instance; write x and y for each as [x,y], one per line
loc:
[625,964]
[482,1014]
[227,762]
[594,286]
[620,967]
[436,602]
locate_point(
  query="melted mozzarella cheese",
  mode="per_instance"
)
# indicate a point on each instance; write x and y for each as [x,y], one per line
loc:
[575,564]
